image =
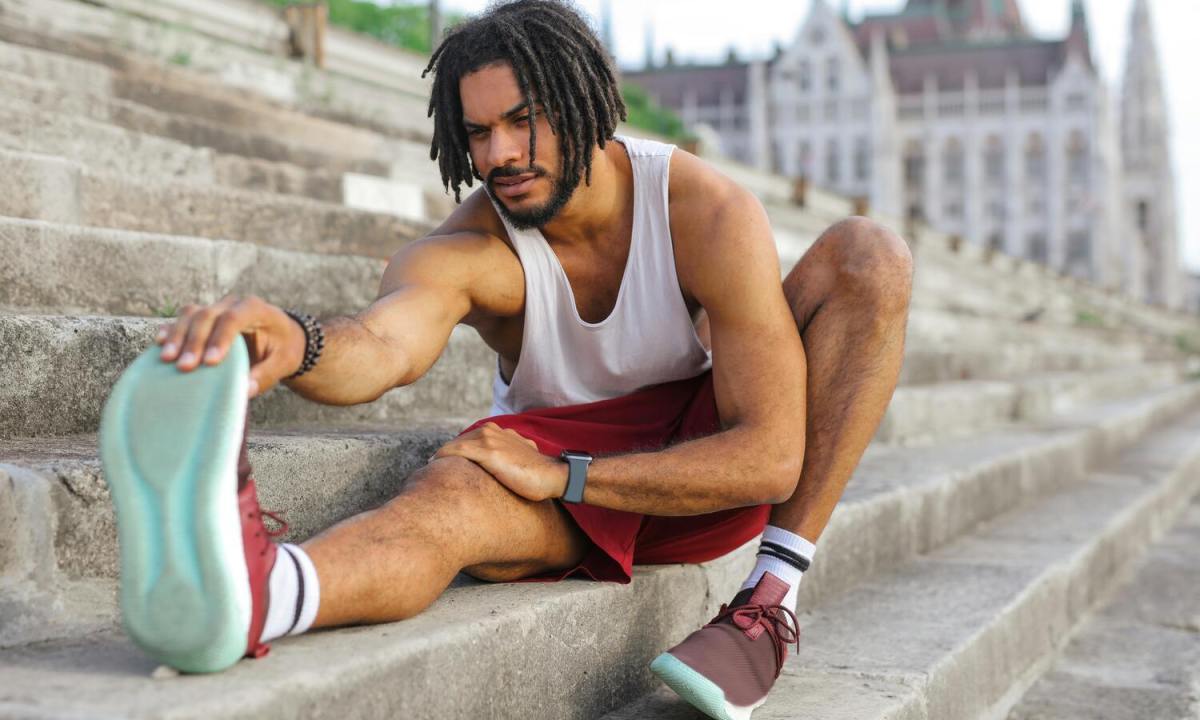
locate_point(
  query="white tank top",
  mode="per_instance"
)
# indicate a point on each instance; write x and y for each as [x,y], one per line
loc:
[647,339]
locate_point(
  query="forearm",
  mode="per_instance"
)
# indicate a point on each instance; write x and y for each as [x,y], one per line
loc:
[735,468]
[356,366]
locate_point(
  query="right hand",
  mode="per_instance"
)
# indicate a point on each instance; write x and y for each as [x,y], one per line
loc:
[204,334]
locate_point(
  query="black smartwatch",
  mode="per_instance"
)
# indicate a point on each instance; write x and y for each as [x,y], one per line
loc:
[577,465]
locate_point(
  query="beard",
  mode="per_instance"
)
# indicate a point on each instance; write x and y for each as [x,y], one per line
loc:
[560,193]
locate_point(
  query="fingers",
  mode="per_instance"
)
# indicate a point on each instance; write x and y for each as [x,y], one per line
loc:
[171,336]
[237,319]
[200,326]
[483,442]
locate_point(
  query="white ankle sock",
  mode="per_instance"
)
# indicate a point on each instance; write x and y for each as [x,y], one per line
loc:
[785,570]
[294,593]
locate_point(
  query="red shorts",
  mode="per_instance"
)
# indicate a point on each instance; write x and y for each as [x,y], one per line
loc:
[649,419]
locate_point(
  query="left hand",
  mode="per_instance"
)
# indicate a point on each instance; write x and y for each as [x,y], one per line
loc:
[512,459]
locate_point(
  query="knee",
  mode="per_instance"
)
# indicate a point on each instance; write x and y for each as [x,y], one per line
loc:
[454,476]
[870,261]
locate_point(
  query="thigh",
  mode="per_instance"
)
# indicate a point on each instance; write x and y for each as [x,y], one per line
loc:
[502,536]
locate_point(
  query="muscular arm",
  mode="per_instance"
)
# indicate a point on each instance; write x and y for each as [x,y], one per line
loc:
[727,261]
[431,285]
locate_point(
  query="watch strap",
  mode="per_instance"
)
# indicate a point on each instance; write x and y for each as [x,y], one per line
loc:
[577,465]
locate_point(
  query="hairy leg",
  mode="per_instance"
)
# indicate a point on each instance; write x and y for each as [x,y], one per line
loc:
[392,562]
[850,295]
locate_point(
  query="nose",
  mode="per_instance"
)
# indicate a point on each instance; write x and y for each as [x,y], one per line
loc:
[506,147]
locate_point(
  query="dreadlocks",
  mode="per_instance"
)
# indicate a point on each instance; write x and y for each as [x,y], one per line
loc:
[558,62]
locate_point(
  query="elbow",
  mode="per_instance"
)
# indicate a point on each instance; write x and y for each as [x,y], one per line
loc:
[784,475]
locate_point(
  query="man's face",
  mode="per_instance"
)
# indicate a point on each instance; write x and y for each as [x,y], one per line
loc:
[497,124]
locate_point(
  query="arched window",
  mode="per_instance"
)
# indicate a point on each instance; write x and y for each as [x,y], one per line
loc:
[914,167]
[1077,158]
[1035,159]
[953,162]
[833,162]
[993,161]
[862,159]
[1037,250]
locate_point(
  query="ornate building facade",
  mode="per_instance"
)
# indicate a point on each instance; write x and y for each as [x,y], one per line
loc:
[952,112]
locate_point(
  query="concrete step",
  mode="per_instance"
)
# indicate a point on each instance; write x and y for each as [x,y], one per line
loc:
[25,128]
[947,635]
[68,269]
[248,173]
[903,501]
[287,461]
[56,372]
[1139,655]
[926,414]
[316,476]
[249,77]
[56,268]
[44,188]
[161,101]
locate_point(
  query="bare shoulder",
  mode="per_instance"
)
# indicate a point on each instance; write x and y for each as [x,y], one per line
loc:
[717,225]
[467,253]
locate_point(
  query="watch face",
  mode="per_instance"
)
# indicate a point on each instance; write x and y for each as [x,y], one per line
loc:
[576,454]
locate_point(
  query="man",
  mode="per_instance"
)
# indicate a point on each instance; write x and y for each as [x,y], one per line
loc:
[632,295]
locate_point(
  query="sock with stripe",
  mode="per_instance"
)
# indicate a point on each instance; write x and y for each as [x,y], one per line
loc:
[785,555]
[294,593]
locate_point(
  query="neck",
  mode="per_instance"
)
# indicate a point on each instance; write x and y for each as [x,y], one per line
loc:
[598,210]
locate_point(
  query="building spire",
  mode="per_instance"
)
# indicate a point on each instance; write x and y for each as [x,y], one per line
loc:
[1079,38]
[606,28]
[649,45]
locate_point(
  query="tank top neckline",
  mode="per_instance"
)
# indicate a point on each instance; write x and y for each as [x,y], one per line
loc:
[561,274]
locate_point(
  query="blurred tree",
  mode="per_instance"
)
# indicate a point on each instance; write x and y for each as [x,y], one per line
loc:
[646,114]
[403,24]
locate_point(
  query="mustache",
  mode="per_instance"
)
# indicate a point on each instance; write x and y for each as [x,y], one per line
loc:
[509,171]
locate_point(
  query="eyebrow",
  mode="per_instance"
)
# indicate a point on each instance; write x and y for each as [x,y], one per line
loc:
[511,112]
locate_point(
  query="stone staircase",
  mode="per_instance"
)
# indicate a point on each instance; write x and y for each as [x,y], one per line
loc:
[1022,469]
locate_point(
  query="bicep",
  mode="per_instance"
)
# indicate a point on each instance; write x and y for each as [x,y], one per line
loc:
[759,368]
[427,289]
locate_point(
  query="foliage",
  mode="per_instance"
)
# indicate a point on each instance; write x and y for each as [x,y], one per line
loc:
[167,309]
[644,113]
[182,58]
[1089,318]
[404,24]
[1188,343]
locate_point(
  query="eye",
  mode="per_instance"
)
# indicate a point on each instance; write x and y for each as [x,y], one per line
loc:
[522,119]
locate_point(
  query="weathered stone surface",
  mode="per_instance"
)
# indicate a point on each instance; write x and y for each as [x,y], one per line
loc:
[947,633]
[1139,656]
[73,269]
[27,129]
[56,372]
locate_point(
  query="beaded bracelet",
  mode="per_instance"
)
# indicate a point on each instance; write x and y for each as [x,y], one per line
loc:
[314,341]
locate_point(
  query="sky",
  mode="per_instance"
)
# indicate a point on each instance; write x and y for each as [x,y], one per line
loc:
[706,30]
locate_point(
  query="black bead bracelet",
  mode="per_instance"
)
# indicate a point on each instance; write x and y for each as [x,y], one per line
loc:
[314,341]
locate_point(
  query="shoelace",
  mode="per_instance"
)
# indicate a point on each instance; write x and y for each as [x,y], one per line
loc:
[746,616]
[283,526]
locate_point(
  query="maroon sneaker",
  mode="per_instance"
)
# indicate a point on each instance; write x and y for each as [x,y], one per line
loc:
[195,555]
[260,554]
[726,668]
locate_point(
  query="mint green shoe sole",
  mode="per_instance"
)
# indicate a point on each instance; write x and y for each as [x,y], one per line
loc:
[698,690]
[169,443]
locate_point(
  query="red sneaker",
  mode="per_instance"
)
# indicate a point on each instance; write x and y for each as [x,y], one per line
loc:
[195,555]
[726,668]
